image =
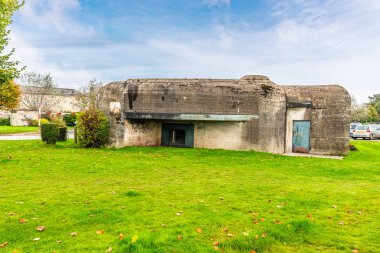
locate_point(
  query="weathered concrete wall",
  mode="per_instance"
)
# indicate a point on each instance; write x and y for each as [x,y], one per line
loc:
[251,95]
[146,133]
[329,116]
[114,93]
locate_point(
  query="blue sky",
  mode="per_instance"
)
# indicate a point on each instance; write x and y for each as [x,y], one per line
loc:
[291,41]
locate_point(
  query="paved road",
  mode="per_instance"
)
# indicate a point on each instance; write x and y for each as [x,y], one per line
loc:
[28,136]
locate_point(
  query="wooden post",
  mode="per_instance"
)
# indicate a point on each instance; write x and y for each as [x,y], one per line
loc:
[75,135]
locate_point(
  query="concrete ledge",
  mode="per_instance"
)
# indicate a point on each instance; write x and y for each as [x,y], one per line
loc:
[314,156]
[189,117]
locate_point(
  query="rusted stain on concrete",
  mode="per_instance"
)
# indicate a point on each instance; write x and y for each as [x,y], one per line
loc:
[132,94]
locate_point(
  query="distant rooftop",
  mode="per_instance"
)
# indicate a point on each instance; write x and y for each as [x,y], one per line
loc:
[60,91]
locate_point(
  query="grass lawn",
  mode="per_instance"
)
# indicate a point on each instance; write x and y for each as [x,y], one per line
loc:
[186,200]
[17,129]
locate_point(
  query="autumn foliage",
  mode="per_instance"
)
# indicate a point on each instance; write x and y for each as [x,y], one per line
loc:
[10,94]
[93,128]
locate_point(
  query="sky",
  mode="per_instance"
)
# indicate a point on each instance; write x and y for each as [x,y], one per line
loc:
[290,41]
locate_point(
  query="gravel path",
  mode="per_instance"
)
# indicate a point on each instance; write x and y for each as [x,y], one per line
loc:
[28,136]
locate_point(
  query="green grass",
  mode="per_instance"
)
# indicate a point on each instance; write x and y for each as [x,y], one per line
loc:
[17,129]
[286,201]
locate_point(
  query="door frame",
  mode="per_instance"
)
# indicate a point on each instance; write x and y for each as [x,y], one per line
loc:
[189,134]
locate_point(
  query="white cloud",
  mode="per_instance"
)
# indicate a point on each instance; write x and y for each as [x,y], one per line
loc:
[55,16]
[216,3]
[329,42]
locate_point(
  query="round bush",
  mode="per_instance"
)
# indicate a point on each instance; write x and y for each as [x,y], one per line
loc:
[70,119]
[49,133]
[93,128]
[62,135]
[5,121]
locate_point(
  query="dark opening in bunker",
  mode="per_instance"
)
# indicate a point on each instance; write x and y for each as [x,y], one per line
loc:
[177,135]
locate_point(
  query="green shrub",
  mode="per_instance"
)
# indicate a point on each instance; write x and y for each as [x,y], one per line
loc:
[93,128]
[49,133]
[43,121]
[353,147]
[62,135]
[70,119]
[5,121]
[57,119]
[34,122]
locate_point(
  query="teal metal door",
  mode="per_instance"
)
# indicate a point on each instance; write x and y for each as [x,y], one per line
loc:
[177,135]
[301,136]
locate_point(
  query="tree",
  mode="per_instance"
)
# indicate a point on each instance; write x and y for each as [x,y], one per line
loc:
[373,116]
[374,100]
[87,96]
[9,95]
[39,91]
[359,112]
[8,68]
[93,128]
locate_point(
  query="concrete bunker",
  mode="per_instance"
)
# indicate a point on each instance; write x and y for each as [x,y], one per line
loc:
[251,113]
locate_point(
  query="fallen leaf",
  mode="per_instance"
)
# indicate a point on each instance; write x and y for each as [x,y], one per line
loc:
[109,250]
[178,214]
[309,215]
[278,206]
[341,223]
[262,220]
[256,236]
[334,206]
[252,251]
[36,239]
[3,244]
[230,235]
[180,237]
[11,214]
[216,244]
[73,233]
[355,251]
[264,235]
[256,221]
[359,212]
[277,222]
[121,236]
[255,214]
[134,238]
[216,247]
[59,241]
[100,232]
[245,233]
[40,228]
[199,230]
[22,221]
[225,230]
[221,198]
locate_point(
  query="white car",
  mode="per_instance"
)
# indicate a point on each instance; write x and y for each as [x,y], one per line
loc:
[367,132]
